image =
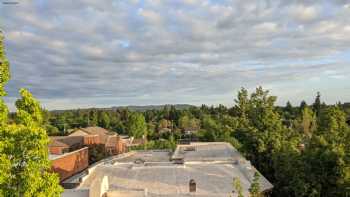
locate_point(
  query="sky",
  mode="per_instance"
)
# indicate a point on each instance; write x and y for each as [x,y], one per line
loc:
[87,53]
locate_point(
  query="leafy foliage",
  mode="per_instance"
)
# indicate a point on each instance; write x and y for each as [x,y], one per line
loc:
[255,186]
[238,187]
[136,125]
[24,164]
[303,151]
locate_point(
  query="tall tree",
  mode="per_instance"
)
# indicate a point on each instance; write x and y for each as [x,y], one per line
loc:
[242,103]
[4,77]
[104,120]
[136,125]
[5,67]
[289,108]
[24,164]
[317,104]
[303,104]
[255,186]
[188,123]
[210,131]
[288,114]
[92,118]
[327,157]
[238,187]
[306,123]
[164,123]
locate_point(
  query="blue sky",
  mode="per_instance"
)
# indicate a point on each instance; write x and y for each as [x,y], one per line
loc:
[138,52]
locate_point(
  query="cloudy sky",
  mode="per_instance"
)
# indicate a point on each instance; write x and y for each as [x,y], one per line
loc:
[137,52]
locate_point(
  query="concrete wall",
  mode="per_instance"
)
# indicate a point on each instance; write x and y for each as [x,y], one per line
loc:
[99,187]
[71,163]
[76,193]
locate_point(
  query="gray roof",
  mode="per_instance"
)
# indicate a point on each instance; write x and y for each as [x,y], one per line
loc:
[201,151]
[65,141]
[212,165]
[101,132]
[147,156]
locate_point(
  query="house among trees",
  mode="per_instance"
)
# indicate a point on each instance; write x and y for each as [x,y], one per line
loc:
[113,144]
[63,144]
[131,142]
[72,154]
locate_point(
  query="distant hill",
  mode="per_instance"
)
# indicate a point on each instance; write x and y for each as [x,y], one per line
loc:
[150,107]
[139,108]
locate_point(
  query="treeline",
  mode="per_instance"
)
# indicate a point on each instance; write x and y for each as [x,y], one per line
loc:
[303,151]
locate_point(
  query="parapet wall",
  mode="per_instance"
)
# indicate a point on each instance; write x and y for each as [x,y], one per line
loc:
[71,163]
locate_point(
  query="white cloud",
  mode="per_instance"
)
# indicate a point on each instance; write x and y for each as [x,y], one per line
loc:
[266,27]
[115,53]
[304,13]
[191,2]
[150,16]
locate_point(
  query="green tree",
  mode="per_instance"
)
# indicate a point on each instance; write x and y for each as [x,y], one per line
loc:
[5,67]
[24,164]
[255,186]
[4,77]
[261,130]
[136,125]
[306,124]
[164,123]
[329,149]
[288,114]
[303,104]
[52,130]
[104,120]
[210,129]
[151,128]
[184,122]
[238,187]
[242,104]
[93,118]
[187,123]
[317,104]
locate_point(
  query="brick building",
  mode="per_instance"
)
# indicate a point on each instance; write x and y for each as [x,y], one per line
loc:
[64,144]
[112,142]
[70,163]
[70,154]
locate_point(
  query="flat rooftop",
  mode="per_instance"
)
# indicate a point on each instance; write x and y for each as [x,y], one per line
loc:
[213,166]
[211,151]
[147,156]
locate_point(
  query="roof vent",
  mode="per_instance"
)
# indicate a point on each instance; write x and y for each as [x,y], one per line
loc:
[139,161]
[190,148]
[179,161]
[192,186]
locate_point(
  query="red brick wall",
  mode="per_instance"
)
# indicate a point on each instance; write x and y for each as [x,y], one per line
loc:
[91,139]
[56,150]
[71,163]
[121,146]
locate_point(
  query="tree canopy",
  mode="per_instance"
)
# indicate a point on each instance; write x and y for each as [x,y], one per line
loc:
[136,125]
[301,153]
[24,164]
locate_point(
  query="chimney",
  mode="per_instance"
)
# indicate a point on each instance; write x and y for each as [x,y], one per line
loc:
[192,186]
